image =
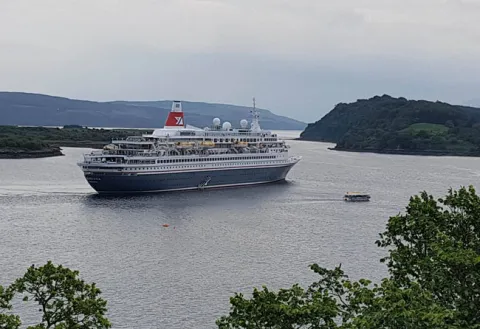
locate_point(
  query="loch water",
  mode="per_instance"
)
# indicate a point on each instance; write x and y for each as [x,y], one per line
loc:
[218,241]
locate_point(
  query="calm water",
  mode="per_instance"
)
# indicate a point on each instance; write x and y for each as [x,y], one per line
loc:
[218,241]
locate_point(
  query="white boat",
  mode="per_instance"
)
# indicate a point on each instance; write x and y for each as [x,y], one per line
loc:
[356,197]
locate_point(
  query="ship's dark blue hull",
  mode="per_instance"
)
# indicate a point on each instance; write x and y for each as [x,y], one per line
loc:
[161,182]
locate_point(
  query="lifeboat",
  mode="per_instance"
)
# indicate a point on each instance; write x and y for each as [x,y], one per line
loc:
[207,144]
[241,144]
[185,144]
[110,147]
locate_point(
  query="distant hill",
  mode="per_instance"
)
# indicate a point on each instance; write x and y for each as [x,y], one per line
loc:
[396,125]
[18,108]
[475,102]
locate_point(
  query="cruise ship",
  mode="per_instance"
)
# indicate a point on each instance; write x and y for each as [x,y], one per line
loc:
[183,157]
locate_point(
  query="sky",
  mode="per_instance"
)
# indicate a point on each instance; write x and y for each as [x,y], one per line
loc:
[299,58]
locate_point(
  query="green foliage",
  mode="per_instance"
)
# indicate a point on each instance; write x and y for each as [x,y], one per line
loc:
[427,128]
[12,142]
[437,244]
[65,300]
[7,321]
[315,307]
[434,264]
[389,124]
[37,138]
[334,301]
[395,306]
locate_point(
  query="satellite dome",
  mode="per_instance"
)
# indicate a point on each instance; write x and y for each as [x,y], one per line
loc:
[226,125]
[243,123]
[216,122]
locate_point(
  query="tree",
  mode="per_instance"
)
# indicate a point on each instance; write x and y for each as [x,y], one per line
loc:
[65,300]
[437,244]
[390,305]
[318,307]
[335,302]
[434,264]
[7,321]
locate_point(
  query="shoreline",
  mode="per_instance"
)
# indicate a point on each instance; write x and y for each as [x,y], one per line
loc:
[436,153]
[92,145]
[410,152]
[53,151]
[30,154]
[312,140]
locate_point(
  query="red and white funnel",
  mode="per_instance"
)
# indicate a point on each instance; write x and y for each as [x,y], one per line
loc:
[175,117]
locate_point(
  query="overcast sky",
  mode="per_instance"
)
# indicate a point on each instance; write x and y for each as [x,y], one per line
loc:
[298,57]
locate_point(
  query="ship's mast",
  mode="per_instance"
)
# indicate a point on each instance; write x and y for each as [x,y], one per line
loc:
[255,116]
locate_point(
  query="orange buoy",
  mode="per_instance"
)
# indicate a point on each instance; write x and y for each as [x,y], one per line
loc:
[166,225]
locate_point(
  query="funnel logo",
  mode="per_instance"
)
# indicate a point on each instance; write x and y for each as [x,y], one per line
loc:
[175,119]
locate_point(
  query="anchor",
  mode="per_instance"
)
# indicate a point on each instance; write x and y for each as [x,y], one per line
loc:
[204,183]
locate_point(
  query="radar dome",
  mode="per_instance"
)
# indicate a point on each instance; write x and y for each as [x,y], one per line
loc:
[243,123]
[216,122]
[226,125]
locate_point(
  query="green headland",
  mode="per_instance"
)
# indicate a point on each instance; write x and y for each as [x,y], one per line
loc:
[384,124]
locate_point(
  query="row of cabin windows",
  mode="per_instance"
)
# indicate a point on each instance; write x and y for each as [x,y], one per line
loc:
[199,160]
[187,160]
[141,162]
[250,140]
[187,166]
[196,166]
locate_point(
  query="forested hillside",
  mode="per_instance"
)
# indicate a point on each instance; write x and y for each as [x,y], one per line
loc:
[397,125]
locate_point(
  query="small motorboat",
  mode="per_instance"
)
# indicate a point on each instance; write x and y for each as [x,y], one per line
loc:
[356,197]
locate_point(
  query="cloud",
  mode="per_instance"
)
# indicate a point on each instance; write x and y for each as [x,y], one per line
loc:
[307,54]
[293,29]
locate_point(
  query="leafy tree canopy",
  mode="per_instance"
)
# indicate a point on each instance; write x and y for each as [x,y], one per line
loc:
[65,300]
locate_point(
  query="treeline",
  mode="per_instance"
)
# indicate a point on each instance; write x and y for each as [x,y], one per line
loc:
[461,140]
[23,143]
[36,138]
[387,123]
